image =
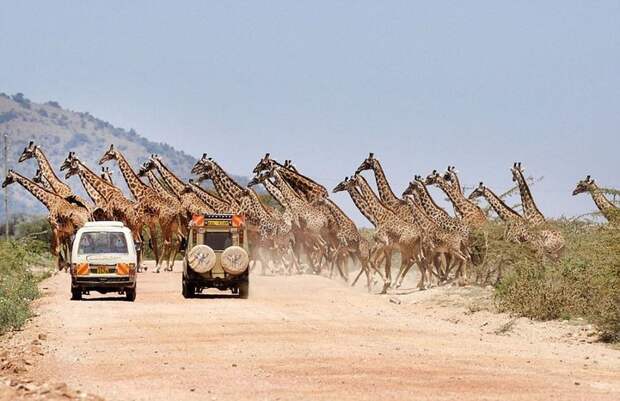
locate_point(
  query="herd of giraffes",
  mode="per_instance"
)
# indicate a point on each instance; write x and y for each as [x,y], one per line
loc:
[307,226]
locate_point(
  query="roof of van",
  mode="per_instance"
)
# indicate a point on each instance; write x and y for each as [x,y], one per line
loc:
[104,224]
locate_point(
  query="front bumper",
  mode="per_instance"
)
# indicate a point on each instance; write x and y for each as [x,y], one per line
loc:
[103,282]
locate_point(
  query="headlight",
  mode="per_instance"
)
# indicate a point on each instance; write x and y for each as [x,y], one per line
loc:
[201,258]
[235,260]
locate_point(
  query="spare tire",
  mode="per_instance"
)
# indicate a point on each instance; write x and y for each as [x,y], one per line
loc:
[201,258]
[235,260]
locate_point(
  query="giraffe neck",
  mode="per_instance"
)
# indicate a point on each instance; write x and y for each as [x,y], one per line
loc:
[216,203]
[362,205]
[275,193]
[95,196]
[429,205]
[312,189]
[339,215]
[462,205]
[48,198]
[47,171]
[136,186]
[290,197]
[457,182]
[159,188]
[251,206]
[175,184]
[530,210]
[100,185]
[505,213]
[607,208]
[381,213]
[383,186]
[420,216]
[227,185]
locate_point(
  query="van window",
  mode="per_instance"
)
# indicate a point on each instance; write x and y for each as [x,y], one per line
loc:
[218,240]
[102,242]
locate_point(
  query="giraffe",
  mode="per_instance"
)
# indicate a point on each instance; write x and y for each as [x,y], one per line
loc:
[470,213]
[610,211]
[312,225]
[418,189]
[553,239]
[116,205]
[58,187]
[152,207]
[285,218]
[316,194]
[65,218]
[531,213]
[516,228]
[392,232]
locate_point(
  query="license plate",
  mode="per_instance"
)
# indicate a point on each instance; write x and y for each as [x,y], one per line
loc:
[102,270]
[218,223]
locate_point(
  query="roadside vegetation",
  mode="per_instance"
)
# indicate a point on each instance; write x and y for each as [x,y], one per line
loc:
[583,283]
[23,263]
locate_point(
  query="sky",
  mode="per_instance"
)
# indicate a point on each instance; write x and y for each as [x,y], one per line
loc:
[476,84]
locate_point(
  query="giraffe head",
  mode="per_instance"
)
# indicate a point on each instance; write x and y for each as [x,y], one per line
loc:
[28,152]
[477,192]
[9,179]
[368,163]
[345,185]
[66,164]
[450,175]
[203,166]
[73,169]
[38,177]
[433,178]
[414,186]
[110,154]
[288,164]
[259,179]
[585,185]
[147,166]
[516,171]
[266,163]
[106,174]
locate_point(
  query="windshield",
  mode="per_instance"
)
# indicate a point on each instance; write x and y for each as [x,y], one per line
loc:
[102,242]
[218,241]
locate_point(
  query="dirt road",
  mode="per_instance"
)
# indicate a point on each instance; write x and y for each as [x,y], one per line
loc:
[308,337]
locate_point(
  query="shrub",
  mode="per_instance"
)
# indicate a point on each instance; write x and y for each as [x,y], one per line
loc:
[584,282]
[18,285]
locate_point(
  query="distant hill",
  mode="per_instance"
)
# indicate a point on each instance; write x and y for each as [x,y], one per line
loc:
[58,131]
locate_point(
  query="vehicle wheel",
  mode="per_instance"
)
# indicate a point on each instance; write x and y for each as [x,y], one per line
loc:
[188,290]
[244,290]
[130,294]
[76,294]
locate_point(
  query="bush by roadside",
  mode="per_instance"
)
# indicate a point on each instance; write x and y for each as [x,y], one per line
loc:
[584,282]
[18,281]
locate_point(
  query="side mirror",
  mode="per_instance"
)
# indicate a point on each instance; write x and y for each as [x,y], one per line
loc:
[138,246]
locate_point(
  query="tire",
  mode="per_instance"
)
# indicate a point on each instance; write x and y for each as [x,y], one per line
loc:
[76,294]
[188,290]
[244,290]
[130,294]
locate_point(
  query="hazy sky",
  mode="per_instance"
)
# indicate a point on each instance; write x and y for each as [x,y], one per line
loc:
[423,85]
